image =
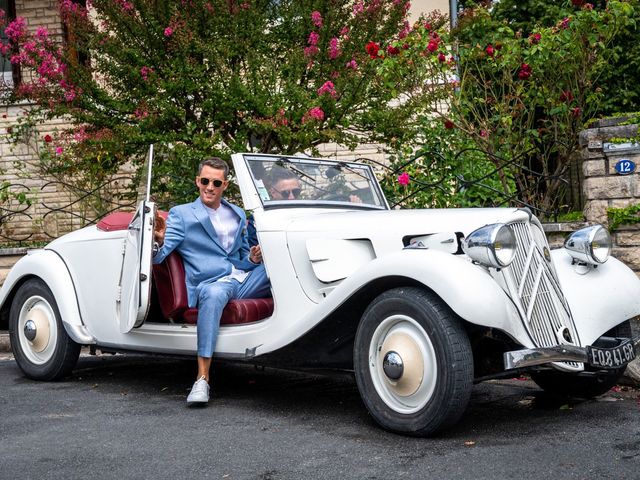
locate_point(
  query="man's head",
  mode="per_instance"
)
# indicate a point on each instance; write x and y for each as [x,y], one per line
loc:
[212,181]
[284,184]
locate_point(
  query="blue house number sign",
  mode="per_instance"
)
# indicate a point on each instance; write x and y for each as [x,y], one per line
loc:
[625,166]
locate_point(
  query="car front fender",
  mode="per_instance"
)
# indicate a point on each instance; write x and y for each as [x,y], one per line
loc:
[466,288]
[51,269]
[599,298]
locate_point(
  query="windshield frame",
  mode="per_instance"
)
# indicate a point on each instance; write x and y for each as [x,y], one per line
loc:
[296,165]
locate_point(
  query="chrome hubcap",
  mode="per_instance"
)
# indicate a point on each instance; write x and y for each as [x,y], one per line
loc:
[30,330]
[392,365]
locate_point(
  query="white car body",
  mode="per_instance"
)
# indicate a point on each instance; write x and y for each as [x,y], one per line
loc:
[323,259]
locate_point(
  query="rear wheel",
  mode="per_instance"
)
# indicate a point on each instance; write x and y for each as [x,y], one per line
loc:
[413,362]
[572,385]
[40,344]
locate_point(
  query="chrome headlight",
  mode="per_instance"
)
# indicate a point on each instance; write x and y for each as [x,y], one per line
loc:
[589,245]
[492,245]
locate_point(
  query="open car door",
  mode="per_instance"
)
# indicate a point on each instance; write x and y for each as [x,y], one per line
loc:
[134,288]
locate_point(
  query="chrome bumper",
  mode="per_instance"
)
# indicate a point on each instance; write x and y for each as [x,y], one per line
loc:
[539,356]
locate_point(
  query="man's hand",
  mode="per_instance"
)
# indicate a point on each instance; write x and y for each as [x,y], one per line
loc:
[255,254]
[159,228]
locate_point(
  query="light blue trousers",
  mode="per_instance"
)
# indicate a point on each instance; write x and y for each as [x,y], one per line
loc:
[213,297]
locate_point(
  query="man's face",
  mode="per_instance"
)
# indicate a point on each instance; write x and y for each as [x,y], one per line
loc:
[286,189]
[209,193]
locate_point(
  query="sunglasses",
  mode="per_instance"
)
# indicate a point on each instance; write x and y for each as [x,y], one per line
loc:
[216,183]
[286,193]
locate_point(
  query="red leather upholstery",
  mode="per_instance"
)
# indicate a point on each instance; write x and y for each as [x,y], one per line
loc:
[170,284]
[120,221]
[115,221]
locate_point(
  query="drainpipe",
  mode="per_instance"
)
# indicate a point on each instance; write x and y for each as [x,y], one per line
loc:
[453,12]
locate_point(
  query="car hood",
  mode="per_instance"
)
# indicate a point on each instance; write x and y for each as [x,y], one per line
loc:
[404,222]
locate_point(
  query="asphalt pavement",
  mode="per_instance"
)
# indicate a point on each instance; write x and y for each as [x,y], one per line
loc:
[125,416]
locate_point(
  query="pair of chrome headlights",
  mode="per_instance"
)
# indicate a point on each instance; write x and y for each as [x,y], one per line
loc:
[495,245]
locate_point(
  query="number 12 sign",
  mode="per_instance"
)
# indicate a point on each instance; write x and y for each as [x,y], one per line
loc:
[625,166]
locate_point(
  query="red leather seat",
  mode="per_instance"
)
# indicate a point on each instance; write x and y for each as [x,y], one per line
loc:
[170,284]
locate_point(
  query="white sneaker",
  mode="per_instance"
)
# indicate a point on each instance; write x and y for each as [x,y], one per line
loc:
[199,393]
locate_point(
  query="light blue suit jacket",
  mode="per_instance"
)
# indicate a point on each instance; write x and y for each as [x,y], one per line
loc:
[190,232]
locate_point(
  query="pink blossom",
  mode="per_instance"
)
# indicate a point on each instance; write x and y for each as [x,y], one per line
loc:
[145,72]
[352,64]
[313,38]
[42,33]
[403,179]
[329,88]
[358,7]
[490,50]
[168,32]
[245,6]
[564,23]
[406,28]
[314,113]
[311,51]
[432,46]
[316,18]
[125,5]
[344,31]
[334,50]
[16,29]
[59,150]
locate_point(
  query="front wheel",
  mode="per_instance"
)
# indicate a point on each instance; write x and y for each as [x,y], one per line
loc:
[413,362]
[40,344]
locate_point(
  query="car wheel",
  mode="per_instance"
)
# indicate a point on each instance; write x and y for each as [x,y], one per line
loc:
[413,362]
[571,385]
[40,344]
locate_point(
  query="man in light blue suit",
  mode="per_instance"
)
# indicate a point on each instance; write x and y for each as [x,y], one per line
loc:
[210,235]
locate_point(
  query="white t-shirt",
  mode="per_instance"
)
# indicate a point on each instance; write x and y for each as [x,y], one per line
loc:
[226,223]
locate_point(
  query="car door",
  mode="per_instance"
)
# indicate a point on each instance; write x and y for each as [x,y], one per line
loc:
[134,288]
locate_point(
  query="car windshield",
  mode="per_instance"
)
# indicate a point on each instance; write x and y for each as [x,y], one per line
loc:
[299,181]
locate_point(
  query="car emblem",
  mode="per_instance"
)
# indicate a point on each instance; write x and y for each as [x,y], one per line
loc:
[547,254]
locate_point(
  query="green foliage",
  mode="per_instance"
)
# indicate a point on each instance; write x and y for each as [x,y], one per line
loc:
[212,77]
[619,78]
[623,216]
[521,100]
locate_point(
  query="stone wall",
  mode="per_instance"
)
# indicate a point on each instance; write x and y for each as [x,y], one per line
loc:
[602,147]
[17,162]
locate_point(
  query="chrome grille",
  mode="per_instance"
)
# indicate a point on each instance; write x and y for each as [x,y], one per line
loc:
[536,292]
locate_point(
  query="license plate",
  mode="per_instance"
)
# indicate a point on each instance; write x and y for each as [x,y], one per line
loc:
[615,357]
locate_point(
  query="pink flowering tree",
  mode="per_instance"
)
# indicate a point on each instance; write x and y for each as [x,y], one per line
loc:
[513,104]
[210,77]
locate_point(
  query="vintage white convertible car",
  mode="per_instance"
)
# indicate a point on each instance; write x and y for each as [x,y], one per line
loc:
[419,304]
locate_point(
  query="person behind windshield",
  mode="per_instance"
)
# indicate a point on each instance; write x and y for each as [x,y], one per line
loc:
[283,184]
[219,266]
